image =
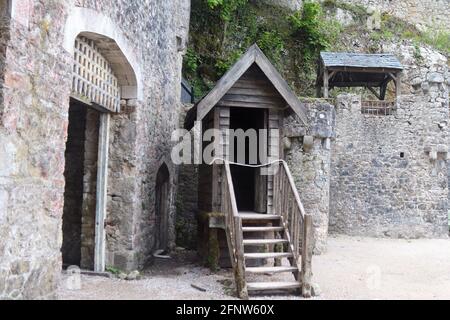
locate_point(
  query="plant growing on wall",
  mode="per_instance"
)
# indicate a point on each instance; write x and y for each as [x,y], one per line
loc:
[226,7]
[312,30]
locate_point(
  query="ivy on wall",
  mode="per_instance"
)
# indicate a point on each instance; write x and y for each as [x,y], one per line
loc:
[222,30]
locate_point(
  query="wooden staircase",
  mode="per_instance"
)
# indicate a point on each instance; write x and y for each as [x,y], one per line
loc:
[269,233]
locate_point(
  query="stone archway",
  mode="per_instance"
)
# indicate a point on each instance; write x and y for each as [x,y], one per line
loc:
[105,72]
[162,207]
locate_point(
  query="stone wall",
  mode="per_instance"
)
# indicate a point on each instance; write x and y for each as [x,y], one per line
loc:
[389,173]
[308,153]
[187,199]
[375,191]
[33,128]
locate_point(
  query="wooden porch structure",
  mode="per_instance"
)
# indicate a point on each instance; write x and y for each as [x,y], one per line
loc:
[259,211]
[371,71]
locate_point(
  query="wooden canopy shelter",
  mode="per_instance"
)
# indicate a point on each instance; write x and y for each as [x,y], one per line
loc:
[372,71]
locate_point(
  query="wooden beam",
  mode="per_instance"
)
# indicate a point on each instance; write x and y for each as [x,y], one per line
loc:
[325,83]
[383,90]
[225,83]
[101,196]
[363,70]
[307,252]
[398,85]
[356,84]
[375,93]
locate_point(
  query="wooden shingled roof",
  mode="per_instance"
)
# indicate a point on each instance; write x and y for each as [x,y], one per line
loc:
[253,56]
[360,60]
[344,69]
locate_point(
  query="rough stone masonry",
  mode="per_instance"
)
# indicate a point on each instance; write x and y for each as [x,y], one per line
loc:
[356,173]
[35,73]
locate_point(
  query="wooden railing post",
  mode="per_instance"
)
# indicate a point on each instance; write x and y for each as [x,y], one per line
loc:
[307,249]
[241,285]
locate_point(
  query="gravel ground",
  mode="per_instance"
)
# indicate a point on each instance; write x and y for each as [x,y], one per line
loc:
[353,268]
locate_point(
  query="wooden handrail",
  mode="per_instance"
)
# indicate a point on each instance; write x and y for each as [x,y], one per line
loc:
[287,204]
[233,224]
[294,188]
[229,180]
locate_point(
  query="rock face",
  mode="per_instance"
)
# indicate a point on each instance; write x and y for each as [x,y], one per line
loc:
[35,77]
[421,13]
[291,4]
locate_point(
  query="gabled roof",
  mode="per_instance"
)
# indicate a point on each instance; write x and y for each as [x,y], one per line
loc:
[253,55]
[360,60]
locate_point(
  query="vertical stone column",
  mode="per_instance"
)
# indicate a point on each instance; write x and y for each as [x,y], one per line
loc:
[308,153]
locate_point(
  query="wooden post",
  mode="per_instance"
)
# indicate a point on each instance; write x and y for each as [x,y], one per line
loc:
[398,89]
[307,249]
[102,183]
[318,91]
[325,84]
[241,285]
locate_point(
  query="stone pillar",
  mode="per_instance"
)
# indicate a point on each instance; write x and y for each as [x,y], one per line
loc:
[308,153]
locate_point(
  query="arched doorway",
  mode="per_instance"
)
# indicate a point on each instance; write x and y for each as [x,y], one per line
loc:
[162,205]
[101,78]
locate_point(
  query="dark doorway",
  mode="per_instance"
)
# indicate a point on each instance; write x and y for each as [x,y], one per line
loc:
[73,193]
[247,182]
[162,207]
[80,175]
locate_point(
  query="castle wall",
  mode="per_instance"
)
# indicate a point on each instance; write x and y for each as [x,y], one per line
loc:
[389,173]
[374,190]
[36,72]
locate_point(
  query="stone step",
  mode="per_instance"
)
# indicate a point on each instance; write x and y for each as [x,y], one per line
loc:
[257,242]
[267,255]
[262,286]
[262,229]
[270,269]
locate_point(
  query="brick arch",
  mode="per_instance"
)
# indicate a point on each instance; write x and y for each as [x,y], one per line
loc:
[100,28]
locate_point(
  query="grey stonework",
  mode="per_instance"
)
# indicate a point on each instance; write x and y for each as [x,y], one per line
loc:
[35,73]
[389,173]
[308,154]
[187,198]
[384,182]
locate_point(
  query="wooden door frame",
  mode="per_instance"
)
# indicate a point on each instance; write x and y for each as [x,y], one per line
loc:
[102,192]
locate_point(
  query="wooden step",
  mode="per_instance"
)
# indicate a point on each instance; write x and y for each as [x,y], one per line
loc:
[270,269]
[256,242]
[267,255]
[259,216]
[261,286]
[262,229]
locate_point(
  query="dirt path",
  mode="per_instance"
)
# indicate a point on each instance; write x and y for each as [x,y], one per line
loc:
[353,268]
